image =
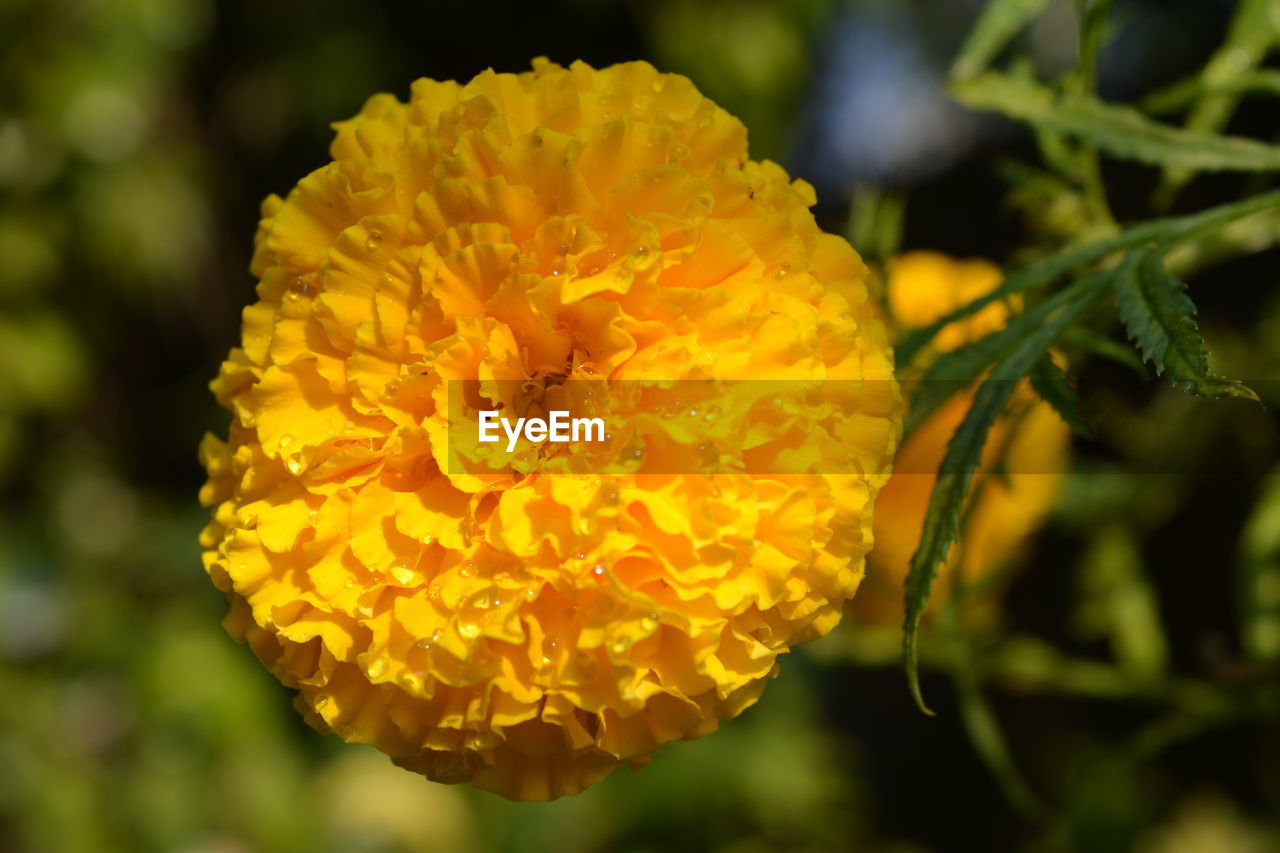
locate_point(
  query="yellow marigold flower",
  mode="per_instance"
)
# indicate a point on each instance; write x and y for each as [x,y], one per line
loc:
[1031,444]
[926,286]
[525,632]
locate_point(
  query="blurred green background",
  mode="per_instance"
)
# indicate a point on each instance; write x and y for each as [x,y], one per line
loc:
[136,140]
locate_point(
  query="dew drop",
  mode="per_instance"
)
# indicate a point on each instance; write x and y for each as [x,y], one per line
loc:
[375,667]
[299,286]
[642,251]
[650,622]
[621,645]
[469,629]
[783,269]
[374,240]
[404,575]
[598,570]
[536,139]
[295,466]
[320,702]
[410,682]
[286,440]
[467,569]
[433,591]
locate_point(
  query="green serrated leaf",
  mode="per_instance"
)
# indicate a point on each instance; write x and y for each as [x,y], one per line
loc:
[1159,317]
[1120,131]
[1055,388]
[1000,21]
[1040,273]
[964,452]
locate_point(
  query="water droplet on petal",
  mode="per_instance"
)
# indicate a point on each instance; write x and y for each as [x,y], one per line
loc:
[650,622]
[404,575]
[375,667]
[621,645]
[374,240]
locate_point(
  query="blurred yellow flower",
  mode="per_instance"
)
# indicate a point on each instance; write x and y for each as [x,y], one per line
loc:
[1029,445]
[525,632]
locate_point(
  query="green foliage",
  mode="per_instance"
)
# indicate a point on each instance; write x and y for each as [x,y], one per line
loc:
[1259,577]
[1138,264]
[1253,33]
[999,23]
[1160,319]
[1054,266]
[1055,388]
[1119,131]
[946,505]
